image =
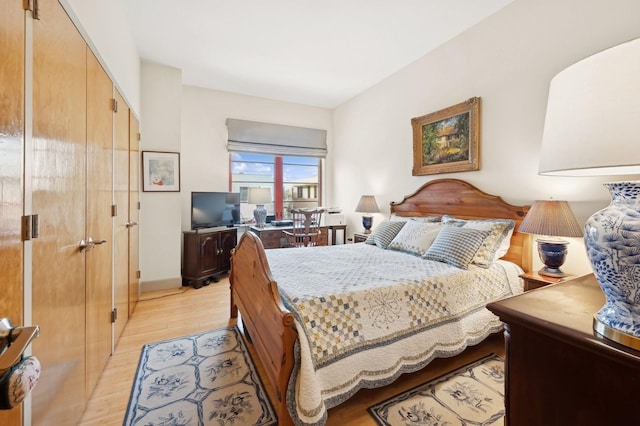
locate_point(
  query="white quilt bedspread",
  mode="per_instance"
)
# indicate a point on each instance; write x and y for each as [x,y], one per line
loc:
[366,315]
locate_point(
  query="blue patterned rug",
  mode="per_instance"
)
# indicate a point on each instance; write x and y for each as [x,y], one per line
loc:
[204,379]
[471,395]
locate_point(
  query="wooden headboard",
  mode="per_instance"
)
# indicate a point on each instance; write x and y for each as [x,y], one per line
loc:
[461,199]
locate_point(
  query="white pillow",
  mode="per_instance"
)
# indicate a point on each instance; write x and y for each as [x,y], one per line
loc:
[415,237]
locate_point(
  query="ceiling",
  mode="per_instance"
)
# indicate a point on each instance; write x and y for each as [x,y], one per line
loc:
[319,53]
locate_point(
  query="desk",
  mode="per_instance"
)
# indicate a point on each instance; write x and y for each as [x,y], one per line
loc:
[272,236]
[558,371]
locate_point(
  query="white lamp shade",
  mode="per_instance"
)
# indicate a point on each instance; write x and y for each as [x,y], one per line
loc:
[367,204]
[592,126]
[259,195]
[552,218]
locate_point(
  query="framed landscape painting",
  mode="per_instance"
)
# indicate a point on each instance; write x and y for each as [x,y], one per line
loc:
[448,140]
[160,171]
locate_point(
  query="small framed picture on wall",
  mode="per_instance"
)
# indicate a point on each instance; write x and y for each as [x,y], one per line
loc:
[160,171]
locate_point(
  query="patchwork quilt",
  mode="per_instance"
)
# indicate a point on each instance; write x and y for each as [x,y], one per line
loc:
[365,315]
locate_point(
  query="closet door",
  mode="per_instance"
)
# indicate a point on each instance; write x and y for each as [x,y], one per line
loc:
[99,218]
[58,196]
[121,228]
[11,154]
[134,212]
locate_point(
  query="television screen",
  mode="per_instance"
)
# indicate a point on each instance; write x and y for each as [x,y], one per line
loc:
[212,209]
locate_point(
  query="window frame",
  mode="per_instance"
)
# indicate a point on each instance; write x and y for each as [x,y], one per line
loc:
[280,206]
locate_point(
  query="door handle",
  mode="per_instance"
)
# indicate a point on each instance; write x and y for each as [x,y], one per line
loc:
[131,224]
[83,245]
[89,243]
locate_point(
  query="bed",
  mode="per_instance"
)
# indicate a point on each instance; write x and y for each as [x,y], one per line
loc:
[289,310]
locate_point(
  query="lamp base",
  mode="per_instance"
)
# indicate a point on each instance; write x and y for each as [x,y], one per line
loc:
[552,272]
[552,254]
[367,221]
[616,335]
[611,237]
[260,215]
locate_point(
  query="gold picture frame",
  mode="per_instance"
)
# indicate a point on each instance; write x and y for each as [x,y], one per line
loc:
[448,140]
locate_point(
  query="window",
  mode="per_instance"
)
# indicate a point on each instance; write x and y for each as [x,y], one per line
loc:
[294,181]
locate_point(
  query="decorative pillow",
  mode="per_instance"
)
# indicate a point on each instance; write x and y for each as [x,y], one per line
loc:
[427,219]
[384,233]
[497,242]
[456,246]
[415,237]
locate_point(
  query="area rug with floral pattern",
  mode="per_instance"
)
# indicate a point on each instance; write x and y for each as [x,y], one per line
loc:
[203,379]
[470,395]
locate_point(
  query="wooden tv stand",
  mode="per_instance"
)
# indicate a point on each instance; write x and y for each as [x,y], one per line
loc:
[206,254]
[558,371]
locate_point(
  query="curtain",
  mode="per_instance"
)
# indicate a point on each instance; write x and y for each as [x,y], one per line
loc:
[275,139]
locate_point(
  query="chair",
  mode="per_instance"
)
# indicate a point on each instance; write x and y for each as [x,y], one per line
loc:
[306,228]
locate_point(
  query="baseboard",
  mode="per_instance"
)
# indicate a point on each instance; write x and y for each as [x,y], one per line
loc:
[166,284]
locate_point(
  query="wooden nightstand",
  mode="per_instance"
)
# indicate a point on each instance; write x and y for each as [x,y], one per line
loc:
[360,237]
[557,368]
[534,280]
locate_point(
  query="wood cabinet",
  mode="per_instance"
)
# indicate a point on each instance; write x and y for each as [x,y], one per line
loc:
[272,236]
[58,176]
[125,224]
[57,149]
[558,370]
[134,212]
[206,255]
[99,199]
[12,40]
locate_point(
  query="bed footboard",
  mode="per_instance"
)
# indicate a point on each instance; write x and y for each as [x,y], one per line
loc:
[268,323]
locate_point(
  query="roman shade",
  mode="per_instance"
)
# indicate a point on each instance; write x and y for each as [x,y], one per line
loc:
[275,139]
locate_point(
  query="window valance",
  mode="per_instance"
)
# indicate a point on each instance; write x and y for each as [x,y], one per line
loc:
[275,139]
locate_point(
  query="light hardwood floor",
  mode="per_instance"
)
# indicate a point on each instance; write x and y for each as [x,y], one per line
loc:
[170,314]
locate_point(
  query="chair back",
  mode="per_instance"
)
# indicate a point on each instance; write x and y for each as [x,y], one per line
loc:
[306,228]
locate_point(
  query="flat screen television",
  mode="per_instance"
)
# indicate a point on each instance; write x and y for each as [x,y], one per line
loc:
[214,209]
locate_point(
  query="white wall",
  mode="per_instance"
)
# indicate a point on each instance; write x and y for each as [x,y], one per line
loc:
[192,121]
[161,126]
[106,29]
[204,133]
[508,60]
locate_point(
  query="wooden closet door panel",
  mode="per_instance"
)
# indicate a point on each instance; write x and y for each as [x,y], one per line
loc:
[99,218]
[11,155]
[59,190]
[121,231]
[134,212]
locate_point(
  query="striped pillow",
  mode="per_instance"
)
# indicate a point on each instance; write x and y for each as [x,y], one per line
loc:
[497,242]
[384,233]
[456,246]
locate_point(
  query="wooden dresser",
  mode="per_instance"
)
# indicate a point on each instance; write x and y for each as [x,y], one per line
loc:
[206,254]
[558,372]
